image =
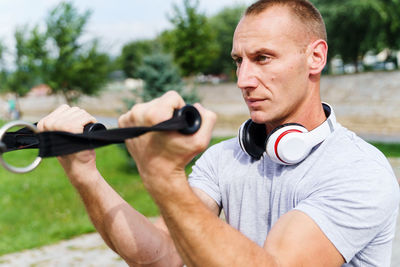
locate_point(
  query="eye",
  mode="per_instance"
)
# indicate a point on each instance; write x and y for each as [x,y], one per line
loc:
[238,60]
[262,58]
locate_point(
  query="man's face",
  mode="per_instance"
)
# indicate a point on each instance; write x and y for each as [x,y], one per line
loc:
[272,70]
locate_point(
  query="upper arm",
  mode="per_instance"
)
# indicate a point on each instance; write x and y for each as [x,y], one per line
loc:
[160,224]
[207,200]
[296,240]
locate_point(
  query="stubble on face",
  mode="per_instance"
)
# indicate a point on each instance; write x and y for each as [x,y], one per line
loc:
[281,83]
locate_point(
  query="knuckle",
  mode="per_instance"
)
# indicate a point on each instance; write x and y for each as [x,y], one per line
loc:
[152,116]
[46,125]
[172,93]
[136,108]
[121,120]
[199,146]
[63,107]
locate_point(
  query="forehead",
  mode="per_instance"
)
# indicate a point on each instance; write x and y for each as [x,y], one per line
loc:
[275,27]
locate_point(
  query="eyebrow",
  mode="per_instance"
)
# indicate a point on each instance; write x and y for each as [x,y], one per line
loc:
[262,51]
[256,52]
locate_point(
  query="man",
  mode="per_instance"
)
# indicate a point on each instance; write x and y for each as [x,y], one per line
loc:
[336,207]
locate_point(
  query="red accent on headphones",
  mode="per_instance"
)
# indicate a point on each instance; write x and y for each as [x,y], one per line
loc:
[279,139]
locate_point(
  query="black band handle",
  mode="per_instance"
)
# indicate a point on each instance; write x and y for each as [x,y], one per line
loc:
[189,112]
[192,118]
[92,127]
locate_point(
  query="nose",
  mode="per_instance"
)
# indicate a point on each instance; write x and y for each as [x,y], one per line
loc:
[246,77]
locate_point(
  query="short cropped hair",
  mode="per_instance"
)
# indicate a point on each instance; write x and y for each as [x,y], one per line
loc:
[304,10]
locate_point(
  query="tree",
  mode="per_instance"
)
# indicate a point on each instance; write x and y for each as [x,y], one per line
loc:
[132,56]
[193,41]
[389,11]
[72,68]
[355,27]
[349,28]
[224,24]
[3,70]
[24,76]
[19,81]
[159,76]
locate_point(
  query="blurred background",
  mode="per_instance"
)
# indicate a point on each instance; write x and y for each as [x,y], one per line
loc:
[104,56]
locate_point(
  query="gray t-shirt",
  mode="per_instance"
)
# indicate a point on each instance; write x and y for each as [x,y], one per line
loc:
[345,185]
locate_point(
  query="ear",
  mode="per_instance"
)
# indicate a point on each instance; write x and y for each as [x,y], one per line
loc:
[317,56]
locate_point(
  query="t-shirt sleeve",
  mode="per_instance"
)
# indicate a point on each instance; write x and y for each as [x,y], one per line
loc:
[204,176]
[352,208]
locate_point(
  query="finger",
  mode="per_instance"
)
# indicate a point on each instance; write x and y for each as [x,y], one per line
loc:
[44,123]
[124,120]
[163,108]
[208,121]
[172,99]
[73,120]
[153,112]
[65,118]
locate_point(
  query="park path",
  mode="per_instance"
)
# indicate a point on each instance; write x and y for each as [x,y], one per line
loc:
[83,251]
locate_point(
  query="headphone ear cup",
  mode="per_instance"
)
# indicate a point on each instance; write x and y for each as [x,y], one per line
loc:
[252,137]
[287,144]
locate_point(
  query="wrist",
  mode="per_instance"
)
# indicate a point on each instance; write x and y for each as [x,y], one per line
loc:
[82,176]
[164,184]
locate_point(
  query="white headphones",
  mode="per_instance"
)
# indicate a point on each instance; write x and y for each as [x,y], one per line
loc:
[287,144]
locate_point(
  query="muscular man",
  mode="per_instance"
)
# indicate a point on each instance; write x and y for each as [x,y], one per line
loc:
[335,206]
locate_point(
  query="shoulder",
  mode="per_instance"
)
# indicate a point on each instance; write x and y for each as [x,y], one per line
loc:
[224,150]
[345,148]
[350,167]
[351,192]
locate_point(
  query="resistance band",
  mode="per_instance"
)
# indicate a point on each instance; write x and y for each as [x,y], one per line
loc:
[186,120]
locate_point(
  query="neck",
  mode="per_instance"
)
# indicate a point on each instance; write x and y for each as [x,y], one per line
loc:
[309,112]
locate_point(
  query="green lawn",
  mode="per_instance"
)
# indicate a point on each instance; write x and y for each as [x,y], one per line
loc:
[389,149]
[41,207]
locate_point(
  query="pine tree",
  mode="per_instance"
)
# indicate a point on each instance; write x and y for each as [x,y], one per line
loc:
[160,75]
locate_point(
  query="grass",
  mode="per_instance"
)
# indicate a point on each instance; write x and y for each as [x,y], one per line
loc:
[391,150]
[41,207]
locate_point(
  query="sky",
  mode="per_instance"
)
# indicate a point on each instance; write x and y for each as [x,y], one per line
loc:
[115,22]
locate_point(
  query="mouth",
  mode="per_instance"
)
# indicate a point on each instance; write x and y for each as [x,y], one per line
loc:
[254,102]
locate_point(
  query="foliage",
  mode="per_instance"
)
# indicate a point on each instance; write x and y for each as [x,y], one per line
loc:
[192,40]
[72,68]
[28,48]
[159,76]
[389,11]
[355,27]
[132,56]
[57,57]
[224,24]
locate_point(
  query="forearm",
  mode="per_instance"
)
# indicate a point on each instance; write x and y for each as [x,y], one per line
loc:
[125,230]
[200,236]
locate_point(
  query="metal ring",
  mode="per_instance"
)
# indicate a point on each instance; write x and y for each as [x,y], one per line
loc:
[9,167]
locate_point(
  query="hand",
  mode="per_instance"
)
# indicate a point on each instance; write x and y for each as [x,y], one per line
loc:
[160,155]
[71,119]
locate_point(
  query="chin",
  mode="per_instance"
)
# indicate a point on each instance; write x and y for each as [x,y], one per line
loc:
[258,117]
